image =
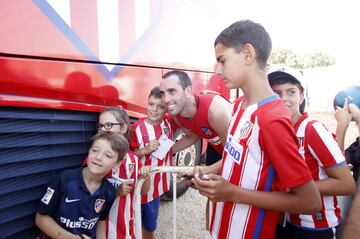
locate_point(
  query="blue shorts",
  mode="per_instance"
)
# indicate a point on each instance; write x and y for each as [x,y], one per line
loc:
[149,214]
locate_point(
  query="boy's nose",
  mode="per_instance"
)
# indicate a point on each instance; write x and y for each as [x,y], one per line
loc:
[218,70]
[98,156]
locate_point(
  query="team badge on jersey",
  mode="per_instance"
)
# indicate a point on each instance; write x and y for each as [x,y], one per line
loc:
[246,129]
[166,130]
[48,195]
[131,168]
[145,136]
[99,203]
[115,171]
[206,130]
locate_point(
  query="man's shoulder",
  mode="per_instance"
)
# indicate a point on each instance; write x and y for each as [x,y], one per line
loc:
[219,106]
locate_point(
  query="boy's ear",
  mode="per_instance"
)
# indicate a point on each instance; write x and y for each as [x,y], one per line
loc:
[249,53]
[302,97]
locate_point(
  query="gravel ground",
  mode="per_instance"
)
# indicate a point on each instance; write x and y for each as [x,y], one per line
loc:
[190,217]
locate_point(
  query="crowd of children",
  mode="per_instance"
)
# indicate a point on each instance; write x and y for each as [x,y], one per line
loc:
[273,163]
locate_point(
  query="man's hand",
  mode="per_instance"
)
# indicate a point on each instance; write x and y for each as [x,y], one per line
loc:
[188,177]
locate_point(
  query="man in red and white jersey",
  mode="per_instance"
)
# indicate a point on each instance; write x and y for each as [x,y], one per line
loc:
[322,155]
[146,135]
[262,172]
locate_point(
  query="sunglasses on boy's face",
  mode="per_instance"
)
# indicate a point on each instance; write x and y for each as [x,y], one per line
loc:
[107,125]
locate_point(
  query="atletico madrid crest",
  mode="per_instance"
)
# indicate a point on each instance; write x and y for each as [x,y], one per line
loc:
[246,129]
[99,203]
[131,168]
[206,131]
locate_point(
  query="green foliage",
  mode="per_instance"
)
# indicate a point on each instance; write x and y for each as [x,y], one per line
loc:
[289,58]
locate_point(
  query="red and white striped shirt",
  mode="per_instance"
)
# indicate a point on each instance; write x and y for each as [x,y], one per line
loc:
[119,224]
[142,133]
[260,154]
[320,150]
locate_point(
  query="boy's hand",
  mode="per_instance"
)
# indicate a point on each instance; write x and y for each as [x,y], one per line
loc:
[151,146]
[343,115]
[188,176]
[124,189]
[144,171]
[215,187]
[355,113]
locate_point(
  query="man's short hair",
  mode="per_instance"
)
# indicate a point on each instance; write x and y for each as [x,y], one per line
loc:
[184,78]
[247,32]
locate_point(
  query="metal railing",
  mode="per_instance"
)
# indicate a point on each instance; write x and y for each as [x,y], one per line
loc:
[174,170]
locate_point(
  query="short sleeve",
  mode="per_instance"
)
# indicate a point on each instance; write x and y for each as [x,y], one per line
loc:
[279,143]
[134,143]
[323,146]
[106,211]
[51,199]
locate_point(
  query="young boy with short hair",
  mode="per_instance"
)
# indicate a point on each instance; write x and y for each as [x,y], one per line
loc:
[77,201]
[261,172]
[146,135]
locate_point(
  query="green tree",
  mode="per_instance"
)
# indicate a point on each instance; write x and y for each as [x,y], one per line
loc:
[279,56]
[289,58]
[318,58]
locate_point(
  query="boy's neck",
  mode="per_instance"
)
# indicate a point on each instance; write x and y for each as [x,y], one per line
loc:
[256,89]
[295,117]
[255,86]
[92,182]
[149,121]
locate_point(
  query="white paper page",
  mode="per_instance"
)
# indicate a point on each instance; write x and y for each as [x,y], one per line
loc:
[164,147]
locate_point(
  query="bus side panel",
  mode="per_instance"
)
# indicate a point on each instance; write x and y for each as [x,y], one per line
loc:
[36,144]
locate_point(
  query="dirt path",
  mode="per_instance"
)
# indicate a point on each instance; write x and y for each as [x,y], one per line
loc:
[190,217]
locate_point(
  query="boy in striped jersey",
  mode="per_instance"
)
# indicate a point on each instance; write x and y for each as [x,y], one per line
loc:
[262,172]
[324,158]
[146,135]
